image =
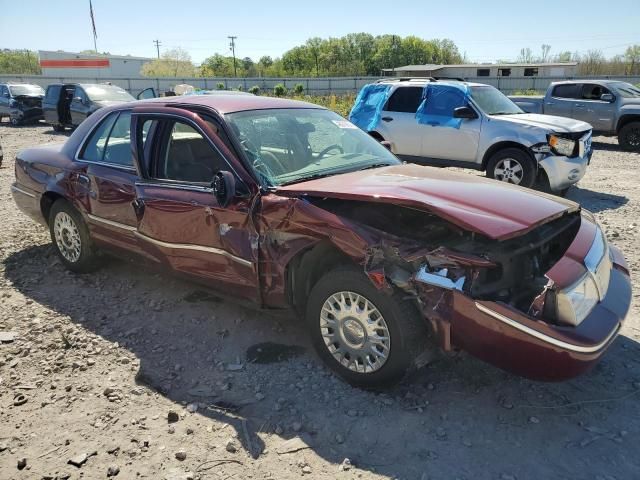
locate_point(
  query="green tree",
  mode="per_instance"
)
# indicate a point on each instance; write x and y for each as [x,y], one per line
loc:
[19,61]
[173,63]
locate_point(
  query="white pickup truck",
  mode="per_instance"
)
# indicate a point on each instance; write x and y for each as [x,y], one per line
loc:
[610,106]
[472,125]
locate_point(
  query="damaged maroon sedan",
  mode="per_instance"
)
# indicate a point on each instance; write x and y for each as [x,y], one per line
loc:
[289,205]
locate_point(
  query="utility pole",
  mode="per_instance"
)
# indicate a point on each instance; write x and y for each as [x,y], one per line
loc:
[393,55]
[158,43]
[232,46]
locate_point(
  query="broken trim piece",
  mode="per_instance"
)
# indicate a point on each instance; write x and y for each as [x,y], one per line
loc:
[439,279]
[547,338]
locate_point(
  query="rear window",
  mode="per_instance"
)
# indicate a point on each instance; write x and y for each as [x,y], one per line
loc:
[405,99]
[565,91]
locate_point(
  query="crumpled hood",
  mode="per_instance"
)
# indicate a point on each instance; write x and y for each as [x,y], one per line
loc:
[491,208]
[550,123]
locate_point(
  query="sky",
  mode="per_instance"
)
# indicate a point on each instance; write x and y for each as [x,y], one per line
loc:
[485,30]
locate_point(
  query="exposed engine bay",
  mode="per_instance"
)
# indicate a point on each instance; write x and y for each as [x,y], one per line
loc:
[416,246]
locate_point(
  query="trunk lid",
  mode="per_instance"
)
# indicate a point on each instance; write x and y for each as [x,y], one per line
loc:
[494,209]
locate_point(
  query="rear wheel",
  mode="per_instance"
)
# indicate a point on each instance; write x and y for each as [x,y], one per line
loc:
[629,137]
[70,237]
[370,338]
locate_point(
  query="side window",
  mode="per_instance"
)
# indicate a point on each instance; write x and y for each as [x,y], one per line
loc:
[443,101]
[592,91]
[110,142]
[78,92]
[187,156]
[53,94]
[405,99]
[567,90]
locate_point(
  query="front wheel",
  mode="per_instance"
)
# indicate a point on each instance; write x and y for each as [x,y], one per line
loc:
[512,165]
[370,338]
[14,121]
[629,137]
[70,237]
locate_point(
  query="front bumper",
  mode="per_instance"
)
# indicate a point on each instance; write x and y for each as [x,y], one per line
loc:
[508,339]
[563,172]
[27,114]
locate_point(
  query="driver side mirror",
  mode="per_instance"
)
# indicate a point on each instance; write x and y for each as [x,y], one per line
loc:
[607,97]
[224,187]
[464,112]
[78,99]
[6,94]
[386,144]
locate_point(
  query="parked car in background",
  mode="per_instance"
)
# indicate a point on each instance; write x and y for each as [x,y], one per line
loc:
[610,106]
[290,206]
[69,104]
[471,125]
[21,102]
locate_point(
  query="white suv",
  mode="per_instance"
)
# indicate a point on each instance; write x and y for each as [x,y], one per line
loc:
[472,125]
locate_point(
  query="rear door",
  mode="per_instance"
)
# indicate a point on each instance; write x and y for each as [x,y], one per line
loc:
[561,101]
[591,109]
[106,183]
[50,104]
[179,220]
[398,122]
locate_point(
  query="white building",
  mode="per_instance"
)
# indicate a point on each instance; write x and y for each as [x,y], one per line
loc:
[81,65]
[474,70]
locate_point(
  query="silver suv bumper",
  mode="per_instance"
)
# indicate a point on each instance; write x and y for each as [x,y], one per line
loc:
[563,172]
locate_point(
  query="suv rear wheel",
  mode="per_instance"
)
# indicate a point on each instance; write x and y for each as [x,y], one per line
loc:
[629,136]
[370,338]
[512,165]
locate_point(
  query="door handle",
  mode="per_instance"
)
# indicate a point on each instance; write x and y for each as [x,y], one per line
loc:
[387,119]
[83,179]
[138,207]
[551,103]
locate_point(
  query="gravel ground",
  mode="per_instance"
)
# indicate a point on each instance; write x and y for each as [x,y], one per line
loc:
[138,374]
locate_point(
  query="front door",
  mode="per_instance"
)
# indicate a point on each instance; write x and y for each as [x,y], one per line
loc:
[591,109]
[449,138]
[5,98]
[398,123]
[179,220]
[79,106]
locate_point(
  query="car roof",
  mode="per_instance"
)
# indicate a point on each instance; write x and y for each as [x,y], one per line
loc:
[587,80]
[231,103]
[421,82]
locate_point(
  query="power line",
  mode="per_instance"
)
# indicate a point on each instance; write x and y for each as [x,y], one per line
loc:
[158,43]
[232,45]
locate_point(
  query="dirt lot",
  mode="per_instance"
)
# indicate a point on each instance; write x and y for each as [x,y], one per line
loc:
[101,363]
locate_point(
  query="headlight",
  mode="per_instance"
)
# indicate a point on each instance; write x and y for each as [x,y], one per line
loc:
[562,146]
[573,304]
[576,302]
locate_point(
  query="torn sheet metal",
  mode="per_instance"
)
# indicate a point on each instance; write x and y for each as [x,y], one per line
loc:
[368,106]
[438,103]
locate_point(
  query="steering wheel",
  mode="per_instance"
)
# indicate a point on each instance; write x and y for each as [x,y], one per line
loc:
[328,149]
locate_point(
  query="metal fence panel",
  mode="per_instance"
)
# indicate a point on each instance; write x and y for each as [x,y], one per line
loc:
[311,85]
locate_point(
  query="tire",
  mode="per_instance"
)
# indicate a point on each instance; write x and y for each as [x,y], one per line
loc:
[15,122]
[406,331]
[629,137]
[514,166]
[71,239]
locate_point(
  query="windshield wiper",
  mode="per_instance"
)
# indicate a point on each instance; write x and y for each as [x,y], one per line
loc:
[375,165]
[308,177]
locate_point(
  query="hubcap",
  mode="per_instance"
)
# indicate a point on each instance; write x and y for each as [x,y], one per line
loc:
[355,332]
[67,237]
[633,137]
[509,170]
